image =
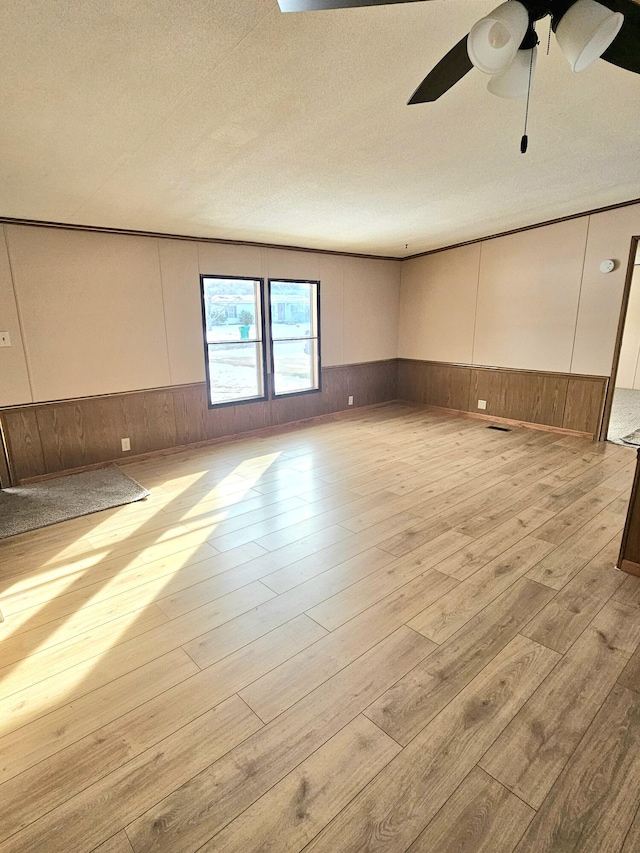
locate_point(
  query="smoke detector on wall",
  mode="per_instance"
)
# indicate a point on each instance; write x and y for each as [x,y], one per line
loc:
[607,266]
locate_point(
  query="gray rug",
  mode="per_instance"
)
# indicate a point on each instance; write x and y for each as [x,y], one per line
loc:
[632,438]
[29,507]
[625,414]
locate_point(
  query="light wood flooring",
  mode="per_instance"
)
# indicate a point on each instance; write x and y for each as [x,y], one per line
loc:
[396,631]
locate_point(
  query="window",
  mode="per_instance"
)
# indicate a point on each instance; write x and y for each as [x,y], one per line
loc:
[236,355]
[234,339]
[294,332]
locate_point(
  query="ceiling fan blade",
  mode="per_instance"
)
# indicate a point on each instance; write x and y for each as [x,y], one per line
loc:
[625,50]
[319,5]
[446,74]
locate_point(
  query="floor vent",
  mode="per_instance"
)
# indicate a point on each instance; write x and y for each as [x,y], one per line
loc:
[499,428]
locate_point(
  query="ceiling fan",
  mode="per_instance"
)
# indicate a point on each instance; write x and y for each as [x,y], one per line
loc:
[504,43]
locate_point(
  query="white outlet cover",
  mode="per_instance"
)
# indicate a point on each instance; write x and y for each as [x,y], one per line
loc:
[482,404]
[126,444]
[350,401]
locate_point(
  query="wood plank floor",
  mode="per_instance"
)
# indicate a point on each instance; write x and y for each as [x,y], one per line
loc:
[400,631]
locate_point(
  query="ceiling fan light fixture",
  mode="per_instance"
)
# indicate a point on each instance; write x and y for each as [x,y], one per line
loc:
[514,82]
[494,41]
[585,31]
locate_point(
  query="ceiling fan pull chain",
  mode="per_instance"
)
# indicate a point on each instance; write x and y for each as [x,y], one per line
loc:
[524,142]
[549,38]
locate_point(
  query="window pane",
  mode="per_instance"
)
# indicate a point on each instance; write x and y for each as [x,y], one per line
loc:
[232,309]
[293,309]
[294,366]
[235,372]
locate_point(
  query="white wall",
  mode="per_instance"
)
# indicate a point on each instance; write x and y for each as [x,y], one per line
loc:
[609,236]
[93,313]
[438,305]
[106,313]
[528,293]
[533,300]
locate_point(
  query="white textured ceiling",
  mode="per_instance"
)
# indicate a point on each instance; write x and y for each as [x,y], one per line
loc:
[226,118]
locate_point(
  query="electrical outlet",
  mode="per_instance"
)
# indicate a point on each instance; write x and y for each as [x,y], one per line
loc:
[126,444]
[5,340]
[482,404]
[350,401]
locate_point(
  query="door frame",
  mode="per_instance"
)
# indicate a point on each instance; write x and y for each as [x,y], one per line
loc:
[608,400]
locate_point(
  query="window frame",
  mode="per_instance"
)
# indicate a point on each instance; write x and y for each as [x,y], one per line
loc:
[265,373]
[317,338]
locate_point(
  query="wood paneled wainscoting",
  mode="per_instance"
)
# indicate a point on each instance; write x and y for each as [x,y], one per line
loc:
[48,438]
[560,400]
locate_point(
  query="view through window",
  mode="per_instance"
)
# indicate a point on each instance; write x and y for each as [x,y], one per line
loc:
[232,313]
[294,336]
[235,338]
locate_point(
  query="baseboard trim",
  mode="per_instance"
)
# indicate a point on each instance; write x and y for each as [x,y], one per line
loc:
[629,567]
[563,401]
[224,439]
[509,421]
[53,438]
[307,422]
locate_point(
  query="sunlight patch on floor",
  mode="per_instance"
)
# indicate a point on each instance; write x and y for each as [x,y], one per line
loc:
[18,677]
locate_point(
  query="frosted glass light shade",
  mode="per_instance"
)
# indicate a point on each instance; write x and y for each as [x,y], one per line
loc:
[493,41]
[585,31]
[514,82]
